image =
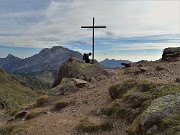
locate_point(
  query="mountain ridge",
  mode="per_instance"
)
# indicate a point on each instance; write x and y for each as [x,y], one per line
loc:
[112,63]
[48,59]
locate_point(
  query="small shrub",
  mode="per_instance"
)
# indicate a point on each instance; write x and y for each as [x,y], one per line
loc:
[166,90]
[34,113]
[145,86]
[114,92]
[86,125]
[6,129]
[41,101]
[106,126]
[11,129]
[120,111]
[65,80]
[59,105]
[170,125]
[134,128]
[135,99]
[117,91]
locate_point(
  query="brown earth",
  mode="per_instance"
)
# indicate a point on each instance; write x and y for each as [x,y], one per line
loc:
[88,100]
[84,102]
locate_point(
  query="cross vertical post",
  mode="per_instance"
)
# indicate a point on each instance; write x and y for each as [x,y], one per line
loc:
[93,27]
[93,44]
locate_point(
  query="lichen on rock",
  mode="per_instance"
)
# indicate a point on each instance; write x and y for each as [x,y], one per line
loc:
[159,108]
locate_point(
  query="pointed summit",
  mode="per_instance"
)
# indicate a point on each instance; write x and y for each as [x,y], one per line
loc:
[48,59]
[11,57]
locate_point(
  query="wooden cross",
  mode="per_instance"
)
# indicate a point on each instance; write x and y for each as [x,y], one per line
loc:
[93,27]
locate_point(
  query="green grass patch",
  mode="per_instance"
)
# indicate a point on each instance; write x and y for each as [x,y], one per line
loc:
[120,111]
[166,90]
[136,99]
[59,105]
[34,113]
[78,68]
[41,101]
[170,125]
[13,95]
[85,125]
[145,86]
[135,127]
[117,91]
[12,129]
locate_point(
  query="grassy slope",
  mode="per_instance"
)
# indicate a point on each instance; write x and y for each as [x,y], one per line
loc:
[32,82]
[12,93]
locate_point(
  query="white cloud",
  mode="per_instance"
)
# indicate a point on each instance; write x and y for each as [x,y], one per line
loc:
[38,21]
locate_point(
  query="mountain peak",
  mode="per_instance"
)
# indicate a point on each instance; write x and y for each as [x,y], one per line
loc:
[48,59]
[53,49]
[10,56]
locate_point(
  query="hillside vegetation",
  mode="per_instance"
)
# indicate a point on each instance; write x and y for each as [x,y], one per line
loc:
[145,105]
[33,82]
[12,93]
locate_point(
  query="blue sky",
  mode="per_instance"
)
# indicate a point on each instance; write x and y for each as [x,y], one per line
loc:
[136,29]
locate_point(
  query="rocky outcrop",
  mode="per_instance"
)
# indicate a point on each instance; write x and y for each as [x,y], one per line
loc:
[73,68]
[159,108]
[79,83]
[171,54]
[64,89]
[143,69]
[126,64]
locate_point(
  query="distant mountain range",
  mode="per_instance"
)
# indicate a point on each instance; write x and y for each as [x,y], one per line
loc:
[48,61]
[46,64]
[107,63]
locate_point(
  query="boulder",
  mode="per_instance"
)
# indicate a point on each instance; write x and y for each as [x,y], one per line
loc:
[79,83]
[126,65]
[159,68]
[93,80]
[74,68]
[171,54]
[159,108]
[64,89]
[143,69]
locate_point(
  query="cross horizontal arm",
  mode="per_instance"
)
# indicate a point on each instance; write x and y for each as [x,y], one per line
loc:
[93,27]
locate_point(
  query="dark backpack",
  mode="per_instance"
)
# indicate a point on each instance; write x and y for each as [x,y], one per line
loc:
[84,56]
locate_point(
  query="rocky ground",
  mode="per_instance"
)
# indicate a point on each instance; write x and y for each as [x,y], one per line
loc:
[88,101]
[83,103]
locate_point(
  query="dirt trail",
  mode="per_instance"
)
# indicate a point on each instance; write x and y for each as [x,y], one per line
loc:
[84,103]
[87,101]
